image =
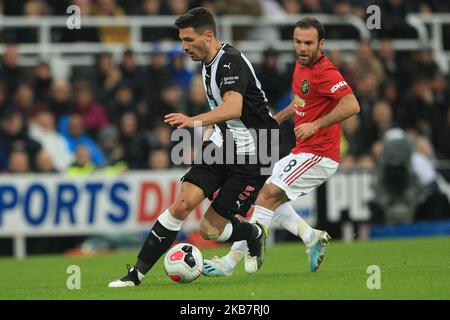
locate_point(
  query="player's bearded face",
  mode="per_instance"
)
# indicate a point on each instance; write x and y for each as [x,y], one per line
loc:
[307,45]
[194,44]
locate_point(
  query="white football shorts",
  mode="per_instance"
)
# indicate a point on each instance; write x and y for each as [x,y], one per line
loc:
[299,174]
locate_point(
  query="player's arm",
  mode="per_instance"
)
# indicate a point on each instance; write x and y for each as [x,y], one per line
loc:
[208,132]
[286,113]
[231,108]
[346,107]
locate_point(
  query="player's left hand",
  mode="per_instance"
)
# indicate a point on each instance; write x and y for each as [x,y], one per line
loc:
[306,130]
[179,120]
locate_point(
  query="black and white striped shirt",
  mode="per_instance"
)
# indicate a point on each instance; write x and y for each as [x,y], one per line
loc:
[230,70]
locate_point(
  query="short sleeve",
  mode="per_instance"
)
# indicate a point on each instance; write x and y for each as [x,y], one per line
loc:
[232,74]
[333,85]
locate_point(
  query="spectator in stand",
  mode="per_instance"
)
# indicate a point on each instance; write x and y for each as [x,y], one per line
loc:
[388,58]
[107,78]
[352,148]
[131,72]
[41,82]
[71,127]
[19,162]
[211,5]
[60,102]
[240,7]
[124,101]
[135,144]
[152,8]
[156,74]
[442,144]
[273,82]
[3,96]
[366,62]
[269,34]
[423,65]
[14,134]
[382,121]
[92,113]
[433,204]
[31,9]
[83,164]
[111,147]
[419,111]
[176,7]
[158,159]
[393,18]
[390,94]
[441,92]
[10,72]
[197,102]
[367,88]
[2,31]
[111,34]
[43,130]
[341,8]
[44,163]
[161,134]
[313,6]
[290,7]
[179,73]
[172,100]
[24,101]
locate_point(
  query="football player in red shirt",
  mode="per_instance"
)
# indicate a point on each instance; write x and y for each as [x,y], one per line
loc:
[322,99]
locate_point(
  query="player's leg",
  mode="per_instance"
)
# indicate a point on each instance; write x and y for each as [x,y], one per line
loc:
[304,173]
[236,197]
[269,198]
[285,216]
[163,234]
[295,175]
[199,182]
[225,265]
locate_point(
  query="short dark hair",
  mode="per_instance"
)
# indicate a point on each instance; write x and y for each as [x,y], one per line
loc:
[199,18]
[307,23]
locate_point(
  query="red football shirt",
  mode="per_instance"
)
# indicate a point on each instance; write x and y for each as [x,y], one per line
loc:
[317,90]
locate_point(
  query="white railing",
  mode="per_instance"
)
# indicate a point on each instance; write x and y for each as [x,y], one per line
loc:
[46,49]
[435,38]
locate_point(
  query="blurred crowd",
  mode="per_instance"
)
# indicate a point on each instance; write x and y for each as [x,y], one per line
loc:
[393,17]
[110,116]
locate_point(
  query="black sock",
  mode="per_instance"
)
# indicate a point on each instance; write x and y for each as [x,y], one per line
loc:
[243,230]
[157,243]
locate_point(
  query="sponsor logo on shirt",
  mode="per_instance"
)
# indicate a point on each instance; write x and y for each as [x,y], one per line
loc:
[305,87]
[299,103]
[230,80]
[338,86]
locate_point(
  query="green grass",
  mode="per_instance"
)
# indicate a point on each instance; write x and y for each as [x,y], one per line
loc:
[410,269]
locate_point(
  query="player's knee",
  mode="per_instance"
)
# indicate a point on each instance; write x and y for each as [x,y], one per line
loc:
[268,196]
[182,208]
[208,231]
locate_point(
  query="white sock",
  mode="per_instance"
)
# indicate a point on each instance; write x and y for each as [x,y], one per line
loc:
[140,275]
[170,222]
[287,217]
[263,216]
[233,257]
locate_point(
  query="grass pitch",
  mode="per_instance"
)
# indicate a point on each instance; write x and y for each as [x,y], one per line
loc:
[410,269]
